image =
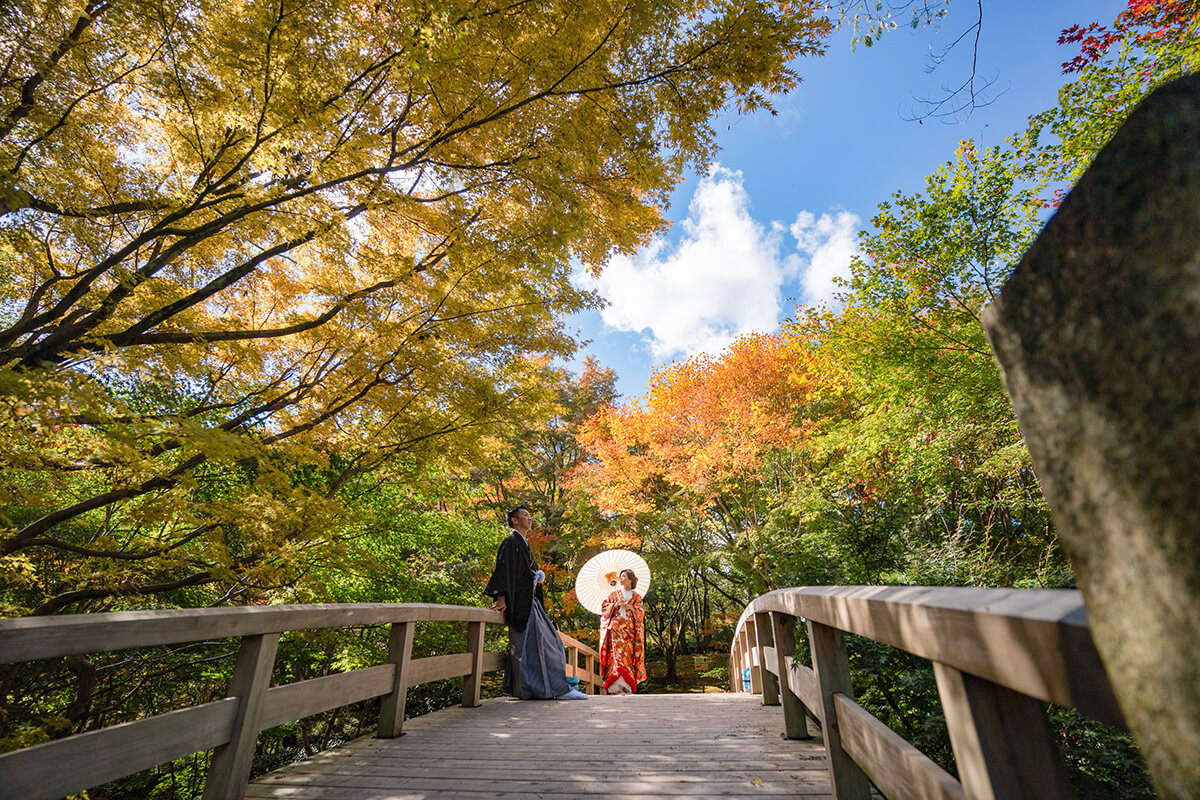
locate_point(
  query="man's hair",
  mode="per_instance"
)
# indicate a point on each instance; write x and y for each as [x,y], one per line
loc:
[632,577]
[512,512]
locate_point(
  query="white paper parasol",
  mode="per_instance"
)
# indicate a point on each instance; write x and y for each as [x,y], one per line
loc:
[599,577]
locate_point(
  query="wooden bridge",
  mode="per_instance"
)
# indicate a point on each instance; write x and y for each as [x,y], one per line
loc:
[649,746]
[999,656]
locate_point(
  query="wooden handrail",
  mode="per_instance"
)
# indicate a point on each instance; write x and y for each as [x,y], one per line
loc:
[231,726]
[590,680]
[34,638]
[998,655]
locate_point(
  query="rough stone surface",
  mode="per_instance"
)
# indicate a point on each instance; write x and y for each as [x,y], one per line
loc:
[1098,336]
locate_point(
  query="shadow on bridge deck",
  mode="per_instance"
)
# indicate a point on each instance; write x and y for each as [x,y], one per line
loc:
[648,746]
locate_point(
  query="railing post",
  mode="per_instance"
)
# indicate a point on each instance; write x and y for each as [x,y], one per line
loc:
[573,660]
[763,636]
[751,653]
[739,643]
[473,682]
[1002,740]
[832,668]
[783,632]
[391,713]
[230,769]
[743,662]
[589,664]
[744,658]
[734,677]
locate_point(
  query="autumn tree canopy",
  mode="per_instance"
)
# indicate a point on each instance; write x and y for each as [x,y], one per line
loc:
[236,235]
[687,465]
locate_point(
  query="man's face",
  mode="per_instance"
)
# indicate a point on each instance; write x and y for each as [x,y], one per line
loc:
[522,521]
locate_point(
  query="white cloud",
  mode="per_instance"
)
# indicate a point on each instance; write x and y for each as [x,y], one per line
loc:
[722,279]
[826,245]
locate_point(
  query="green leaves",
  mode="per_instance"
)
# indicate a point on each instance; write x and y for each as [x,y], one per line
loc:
[1148,45]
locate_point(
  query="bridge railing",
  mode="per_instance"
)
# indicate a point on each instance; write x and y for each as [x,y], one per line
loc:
[231,726]
[588,672]
[999,655]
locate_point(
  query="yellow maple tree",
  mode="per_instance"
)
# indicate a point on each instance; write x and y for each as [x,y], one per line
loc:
[239,236]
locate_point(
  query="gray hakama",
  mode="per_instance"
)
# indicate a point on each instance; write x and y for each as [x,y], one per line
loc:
[536,669]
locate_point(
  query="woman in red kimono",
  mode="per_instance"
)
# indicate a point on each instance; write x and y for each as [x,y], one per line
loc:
[622,637]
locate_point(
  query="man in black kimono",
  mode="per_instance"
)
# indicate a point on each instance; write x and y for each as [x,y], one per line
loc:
[536,667]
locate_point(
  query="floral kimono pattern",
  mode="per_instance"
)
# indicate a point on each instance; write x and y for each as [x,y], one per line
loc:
[623,642]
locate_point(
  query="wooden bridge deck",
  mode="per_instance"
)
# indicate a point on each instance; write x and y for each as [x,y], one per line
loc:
[647,746]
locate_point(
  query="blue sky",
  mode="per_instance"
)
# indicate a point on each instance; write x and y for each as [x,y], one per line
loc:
[769,225]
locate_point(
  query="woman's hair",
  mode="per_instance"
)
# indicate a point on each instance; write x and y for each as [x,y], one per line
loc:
[632,577]
[512,512]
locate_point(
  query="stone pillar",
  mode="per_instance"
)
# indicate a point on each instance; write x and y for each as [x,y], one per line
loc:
[1098,336]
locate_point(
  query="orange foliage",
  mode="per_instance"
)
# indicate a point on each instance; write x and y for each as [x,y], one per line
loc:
[615,540]
[704,424]
[540,537]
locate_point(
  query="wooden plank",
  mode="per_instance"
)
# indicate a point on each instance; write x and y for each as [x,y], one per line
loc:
[766,657]
[899,770]
[341,793]
[686,750]
[473,682]
[770,664]
[735,663]
[436,612]
[1003,743]
[588,677]
[391,710]
[357,787]
[436,668]
[569,641]
[741,649]
[68,766]
[810,766]
[729,747]
[33,638]
[751,638]
[526,773]
[783,633]
[303,699]
[230,766]
[804,683]
[626,790]
[430,777]
[744,659]
[1033,641]
[429,762]
[74,764]
[833,678]
[572,662]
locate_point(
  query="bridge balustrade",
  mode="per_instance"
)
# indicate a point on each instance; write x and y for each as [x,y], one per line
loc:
[231,726]
[999,656]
